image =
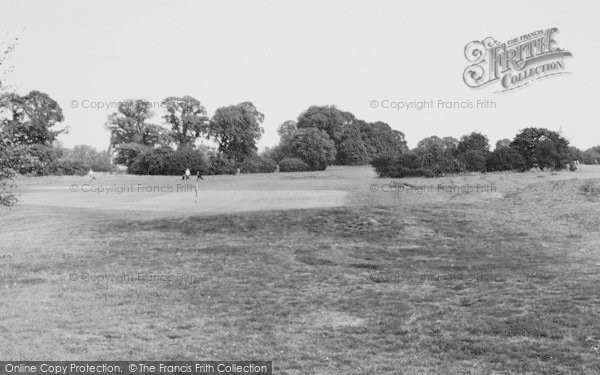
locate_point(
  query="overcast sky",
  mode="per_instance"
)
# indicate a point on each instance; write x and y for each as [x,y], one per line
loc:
[285,56]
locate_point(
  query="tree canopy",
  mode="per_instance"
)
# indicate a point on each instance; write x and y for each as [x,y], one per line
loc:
[187,118]
[236,129]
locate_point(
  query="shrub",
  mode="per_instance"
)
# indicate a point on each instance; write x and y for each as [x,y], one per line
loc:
[165,161]
[257,164]
[384,165]
[152,161]
[473,160]
[293,165]
[505,159]
[98,161]
[66,167]
[186,157]
[125,154]
[404,165]
[217,164]
[276,153]
[591,155]
[400,172]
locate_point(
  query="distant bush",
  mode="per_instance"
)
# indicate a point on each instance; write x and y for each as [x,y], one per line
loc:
[384,165]
[58,160]
[404,165]
[217,164]
[505,159]
[473,160]
[542,148]
[165,161]
[98,161]
[293,165]
[151,161]
[186,157]
[412,172]
[276,153]
[66,167]
[591,155]
[257,164]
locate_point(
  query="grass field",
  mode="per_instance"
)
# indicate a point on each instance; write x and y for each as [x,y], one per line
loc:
[333,272]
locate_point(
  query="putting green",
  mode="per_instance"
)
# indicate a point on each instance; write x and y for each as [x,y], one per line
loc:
[186,200]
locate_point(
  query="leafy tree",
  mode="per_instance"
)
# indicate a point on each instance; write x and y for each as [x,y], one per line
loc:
[275,153]
[130,124]
[130,131]
[408,164]
[31,117]
[502,143]
[257,164]
[327,118]
[125,154]
[438,154]
[351,150]
[551,155]
[11,158]
[66,167]
[473,160]
[293,165]
[152,161]
[575,153]
[505,159]
[356,141]
[473,142]
[236,129]
[221,165]
[314,147]
[541,147]
[6,48]
[591,155]
[12,152]
[380,139]
[30,120]
[187,157]
[472,151]
[187,118]
[98,161]
[286,130]
[40,156]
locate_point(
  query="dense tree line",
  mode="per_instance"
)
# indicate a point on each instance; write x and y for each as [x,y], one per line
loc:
[325,135]
[434,156]
[321,136]
[171,147]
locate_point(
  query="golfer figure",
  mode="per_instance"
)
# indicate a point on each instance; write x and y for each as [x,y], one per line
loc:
[91,174]
[198,176]
[187,174]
